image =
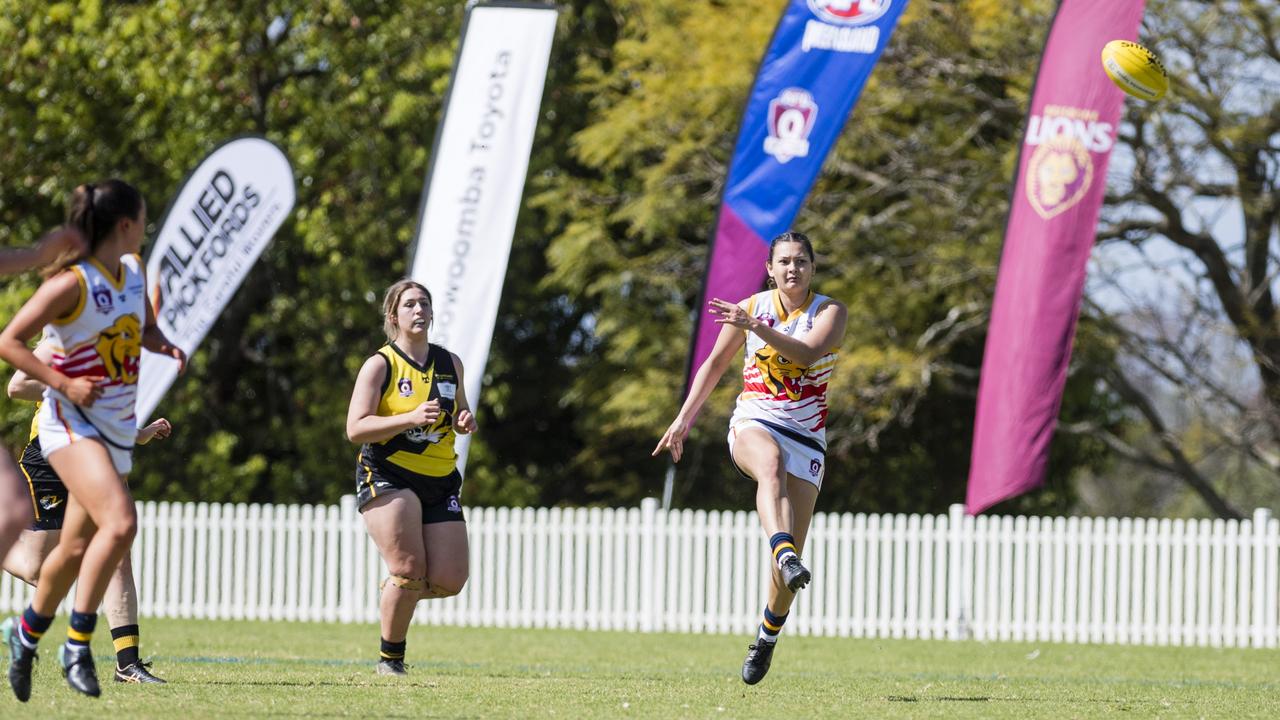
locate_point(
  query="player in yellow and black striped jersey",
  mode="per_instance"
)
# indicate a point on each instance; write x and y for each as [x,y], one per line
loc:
[407,408]
[420,459]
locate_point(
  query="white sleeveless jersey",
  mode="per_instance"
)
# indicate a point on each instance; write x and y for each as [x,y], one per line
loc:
[775,390]
[102,336]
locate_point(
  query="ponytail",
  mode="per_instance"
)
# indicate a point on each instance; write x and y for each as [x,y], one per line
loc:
[95,209]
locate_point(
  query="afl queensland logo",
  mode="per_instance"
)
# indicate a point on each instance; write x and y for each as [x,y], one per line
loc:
[405,385]
[791,117]
[850,12]
[102,300]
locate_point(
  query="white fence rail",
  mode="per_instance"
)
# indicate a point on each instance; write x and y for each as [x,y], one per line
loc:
[1151,582]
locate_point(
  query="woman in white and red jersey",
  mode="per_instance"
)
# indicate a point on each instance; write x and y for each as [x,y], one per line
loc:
[777,435]
[15,510]
[95,315]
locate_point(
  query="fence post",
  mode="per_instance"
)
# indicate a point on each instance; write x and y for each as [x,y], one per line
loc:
[957,623]
[1261,518]
[347,539]
[648,574]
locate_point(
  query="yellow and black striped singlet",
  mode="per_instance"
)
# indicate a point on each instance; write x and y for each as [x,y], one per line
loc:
[425,452]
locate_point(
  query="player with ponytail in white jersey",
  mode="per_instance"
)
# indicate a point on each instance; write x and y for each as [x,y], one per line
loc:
[777,435]
[94,313]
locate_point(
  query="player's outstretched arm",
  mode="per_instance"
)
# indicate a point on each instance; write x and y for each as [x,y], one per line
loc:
[63,241]
[728,342]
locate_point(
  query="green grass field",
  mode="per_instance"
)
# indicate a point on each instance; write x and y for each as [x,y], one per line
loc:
[254,669]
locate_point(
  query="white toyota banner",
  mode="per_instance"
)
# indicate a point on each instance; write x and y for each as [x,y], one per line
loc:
[476,177]
[211,235]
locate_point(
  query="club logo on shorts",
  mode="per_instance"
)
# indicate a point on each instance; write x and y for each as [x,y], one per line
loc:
[815,467]
[49,502]
[791,118]
[102,300]
[405,386]
[850,12]
[454,506]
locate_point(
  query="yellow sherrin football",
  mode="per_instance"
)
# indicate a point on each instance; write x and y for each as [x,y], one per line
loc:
[1135,69]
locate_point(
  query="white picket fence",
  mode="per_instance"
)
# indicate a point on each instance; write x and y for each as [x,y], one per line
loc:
[1151,582]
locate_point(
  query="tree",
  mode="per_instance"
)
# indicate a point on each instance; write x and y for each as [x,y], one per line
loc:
[1197,211]
[908,215]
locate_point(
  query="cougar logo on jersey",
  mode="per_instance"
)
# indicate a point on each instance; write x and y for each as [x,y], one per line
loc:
[120,346]
[780,375]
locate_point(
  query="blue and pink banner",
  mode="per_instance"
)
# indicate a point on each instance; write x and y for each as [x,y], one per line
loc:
[1075,113]
[816,66]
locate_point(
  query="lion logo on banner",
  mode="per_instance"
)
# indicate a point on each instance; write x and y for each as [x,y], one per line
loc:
[120,347]
[779,374]
[1058,175]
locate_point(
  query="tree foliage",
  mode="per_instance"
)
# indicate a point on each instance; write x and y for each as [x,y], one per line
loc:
[1198,206]
[588,362]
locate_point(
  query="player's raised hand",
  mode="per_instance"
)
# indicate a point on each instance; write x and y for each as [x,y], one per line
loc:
[727,313]
[673,439]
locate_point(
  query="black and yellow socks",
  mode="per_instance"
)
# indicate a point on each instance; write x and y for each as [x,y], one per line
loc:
[125,639]
[392,650]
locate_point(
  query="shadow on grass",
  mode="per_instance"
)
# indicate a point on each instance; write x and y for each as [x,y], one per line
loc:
[312,683]
[941,698]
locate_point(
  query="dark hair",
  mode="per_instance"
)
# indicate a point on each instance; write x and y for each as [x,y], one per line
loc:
[391,301]
[792,236]
[95,208]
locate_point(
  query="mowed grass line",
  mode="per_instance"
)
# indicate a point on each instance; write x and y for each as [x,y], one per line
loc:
[258,669]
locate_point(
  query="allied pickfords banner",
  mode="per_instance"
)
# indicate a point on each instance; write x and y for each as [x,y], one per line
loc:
[476,179]
[821,55]
[1075,114]
[211,235]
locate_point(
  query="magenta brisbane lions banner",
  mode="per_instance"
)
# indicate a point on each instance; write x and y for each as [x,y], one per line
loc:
[821,55]
[1075,112]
